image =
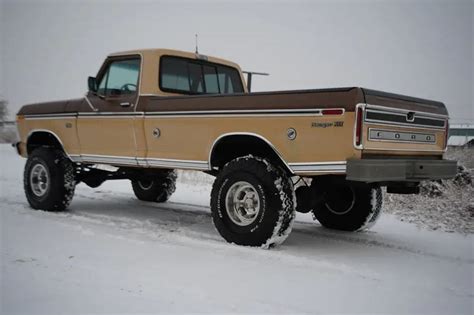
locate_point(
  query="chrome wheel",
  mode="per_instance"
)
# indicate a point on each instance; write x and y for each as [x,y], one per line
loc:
[39,180]
[242,203]
[145,184]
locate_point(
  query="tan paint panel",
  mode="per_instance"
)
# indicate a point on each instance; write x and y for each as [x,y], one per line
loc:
[191,138]
[107,136]
[23,131]
[141,146]
[67,135]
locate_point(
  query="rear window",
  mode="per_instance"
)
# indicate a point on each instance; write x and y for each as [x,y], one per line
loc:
[188,76]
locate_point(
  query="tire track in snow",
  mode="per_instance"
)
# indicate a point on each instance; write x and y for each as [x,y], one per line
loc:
[186,216]
[300,227]
[175,223]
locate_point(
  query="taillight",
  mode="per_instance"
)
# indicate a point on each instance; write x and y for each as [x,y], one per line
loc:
[332,112]
[446,135]
[358,129]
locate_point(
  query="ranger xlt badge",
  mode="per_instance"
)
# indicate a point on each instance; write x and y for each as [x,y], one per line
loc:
[327,124]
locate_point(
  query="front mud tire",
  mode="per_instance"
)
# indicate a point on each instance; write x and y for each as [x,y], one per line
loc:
[48,180]
[253,203]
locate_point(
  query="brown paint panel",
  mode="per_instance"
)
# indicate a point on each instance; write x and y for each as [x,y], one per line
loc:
[403,102]
[56,107]
[307,99]
[78,106]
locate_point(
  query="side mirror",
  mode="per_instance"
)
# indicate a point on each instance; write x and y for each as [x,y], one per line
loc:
[92,84]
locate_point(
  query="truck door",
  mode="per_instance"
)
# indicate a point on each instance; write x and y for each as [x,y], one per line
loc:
[106,133]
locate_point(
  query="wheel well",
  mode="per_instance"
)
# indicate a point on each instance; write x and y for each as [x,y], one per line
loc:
[42,138]
[230,147]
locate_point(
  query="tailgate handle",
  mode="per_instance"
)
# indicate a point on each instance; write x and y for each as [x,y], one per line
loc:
[411,116]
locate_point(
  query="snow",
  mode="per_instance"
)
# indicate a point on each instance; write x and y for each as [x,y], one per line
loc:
[114,254]
[445,205]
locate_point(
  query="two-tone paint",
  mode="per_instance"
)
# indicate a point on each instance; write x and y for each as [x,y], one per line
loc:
[152,128]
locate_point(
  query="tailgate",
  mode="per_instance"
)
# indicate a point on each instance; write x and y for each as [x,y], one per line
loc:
[392,124]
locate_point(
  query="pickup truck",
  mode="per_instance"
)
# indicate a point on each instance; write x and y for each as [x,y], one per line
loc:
[150,112]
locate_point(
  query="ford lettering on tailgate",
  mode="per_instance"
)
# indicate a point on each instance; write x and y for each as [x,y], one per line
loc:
[388,135]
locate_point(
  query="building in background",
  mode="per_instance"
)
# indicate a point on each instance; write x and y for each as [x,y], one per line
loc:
[461,134]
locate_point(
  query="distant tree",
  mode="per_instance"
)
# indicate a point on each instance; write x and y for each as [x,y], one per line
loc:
[3,110]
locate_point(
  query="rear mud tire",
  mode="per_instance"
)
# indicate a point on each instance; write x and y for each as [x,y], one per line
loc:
[265,218]
[337,211]
[156,189]
[48,180]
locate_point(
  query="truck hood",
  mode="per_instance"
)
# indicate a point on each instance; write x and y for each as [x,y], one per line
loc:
[55,107]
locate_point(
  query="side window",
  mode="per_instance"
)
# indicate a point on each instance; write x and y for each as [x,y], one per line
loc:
[198,77]
[210,79]
[229,80]
[174,74]
[121,78]
[225,83]
[103,83]
[195,78]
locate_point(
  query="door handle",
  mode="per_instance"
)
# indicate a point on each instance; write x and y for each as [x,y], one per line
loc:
[125,104]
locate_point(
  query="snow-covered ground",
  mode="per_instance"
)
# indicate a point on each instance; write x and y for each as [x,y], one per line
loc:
[114,254]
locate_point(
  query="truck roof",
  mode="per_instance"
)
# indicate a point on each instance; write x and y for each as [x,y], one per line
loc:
[174,52]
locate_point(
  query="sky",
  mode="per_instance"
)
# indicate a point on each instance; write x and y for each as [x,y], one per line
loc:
[418,48]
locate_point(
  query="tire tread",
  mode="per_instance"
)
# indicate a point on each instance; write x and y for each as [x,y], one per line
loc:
[62,178]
